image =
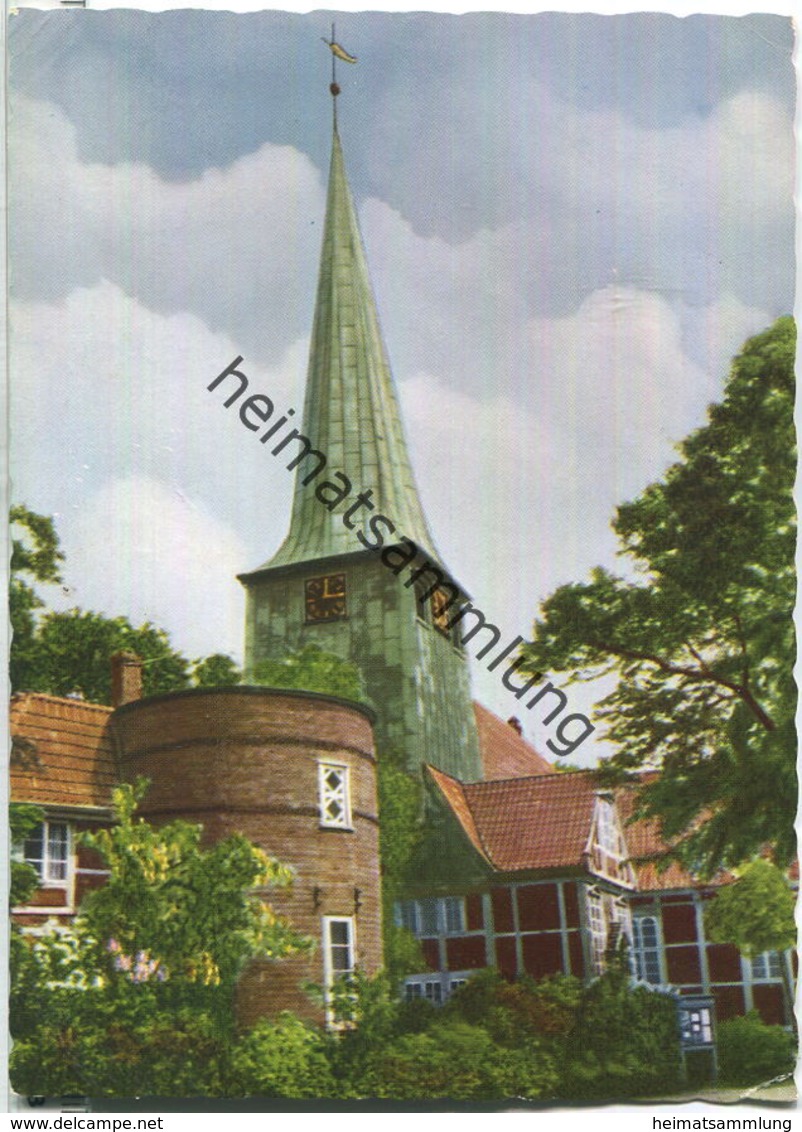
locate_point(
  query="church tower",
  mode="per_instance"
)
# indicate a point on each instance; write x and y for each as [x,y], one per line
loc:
[343,578]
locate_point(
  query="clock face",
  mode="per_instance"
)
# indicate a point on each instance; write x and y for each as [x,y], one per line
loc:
[325,598]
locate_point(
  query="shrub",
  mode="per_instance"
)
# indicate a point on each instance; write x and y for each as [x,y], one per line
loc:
[624,1042]
[751,1052]
[281,1058]
[458,1061]
[516,1012]
[312,669]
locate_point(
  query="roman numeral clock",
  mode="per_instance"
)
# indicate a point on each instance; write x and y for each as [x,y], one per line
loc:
[325,598]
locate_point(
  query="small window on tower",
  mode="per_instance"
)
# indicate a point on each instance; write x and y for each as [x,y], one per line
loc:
[334,799]
[325,598]
[441,611]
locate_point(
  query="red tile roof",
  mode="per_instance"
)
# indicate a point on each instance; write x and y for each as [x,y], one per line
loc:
[504,751]
[649,852]
[62,752]
[540,822]
[544,822]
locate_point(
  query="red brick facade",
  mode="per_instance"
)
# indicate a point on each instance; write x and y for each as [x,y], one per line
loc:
[246,760]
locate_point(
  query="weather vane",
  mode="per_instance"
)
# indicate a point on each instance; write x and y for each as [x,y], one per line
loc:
[337,52]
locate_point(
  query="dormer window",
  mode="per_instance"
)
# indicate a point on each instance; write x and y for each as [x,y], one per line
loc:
[334,796]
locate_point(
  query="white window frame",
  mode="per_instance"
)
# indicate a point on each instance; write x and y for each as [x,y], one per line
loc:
[326,794]
[761,967]
[597,929]
[432,916]
[54,871]
[330,973]
[647,955]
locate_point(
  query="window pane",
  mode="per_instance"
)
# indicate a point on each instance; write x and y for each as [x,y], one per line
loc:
[408,915]
[35,848]
[453,913]
[428,917]
[57,842]
[333,800]
[339,931]
[340,947]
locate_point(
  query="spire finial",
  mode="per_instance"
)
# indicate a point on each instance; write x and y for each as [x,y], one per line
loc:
[337,52]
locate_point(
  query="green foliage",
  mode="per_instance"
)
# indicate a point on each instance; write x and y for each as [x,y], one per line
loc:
[127,1048]
[281,1058]
[192,909]
[702,642]
[136,996]
[73,651]
[23,819]
[403,954]
[310,669]
[400,836]
[458,1061]
[35,557]
[216,671]
[514,1013]
[753,1053]
[756,913]
[624,1041]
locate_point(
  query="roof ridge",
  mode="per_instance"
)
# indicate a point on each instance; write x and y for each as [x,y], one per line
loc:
[531,777]
[20,697]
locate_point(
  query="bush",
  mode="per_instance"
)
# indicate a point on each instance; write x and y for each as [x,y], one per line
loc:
[281,1058]
[751,1052]
[624,1042]
[516,1012]
[458,1061]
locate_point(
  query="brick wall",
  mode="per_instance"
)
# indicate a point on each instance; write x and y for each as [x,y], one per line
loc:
[246,761]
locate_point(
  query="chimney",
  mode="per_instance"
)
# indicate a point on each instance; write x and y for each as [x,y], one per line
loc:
[126,678]
[515,723]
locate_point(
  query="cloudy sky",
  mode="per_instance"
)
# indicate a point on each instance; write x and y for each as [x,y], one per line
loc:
[572,223]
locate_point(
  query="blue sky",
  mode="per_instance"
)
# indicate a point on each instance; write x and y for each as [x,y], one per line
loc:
[572,223]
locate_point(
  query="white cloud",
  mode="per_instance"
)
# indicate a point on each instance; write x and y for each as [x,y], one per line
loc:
[236,246]
[104,389]
[143,549]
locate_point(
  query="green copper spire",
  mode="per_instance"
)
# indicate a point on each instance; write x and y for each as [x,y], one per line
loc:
[351,411]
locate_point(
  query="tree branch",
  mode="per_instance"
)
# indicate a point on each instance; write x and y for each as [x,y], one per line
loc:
[696,674]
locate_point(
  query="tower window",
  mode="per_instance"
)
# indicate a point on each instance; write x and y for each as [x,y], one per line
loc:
[47,849]
[339,953]
[334,795]
[325,598]
[441,611]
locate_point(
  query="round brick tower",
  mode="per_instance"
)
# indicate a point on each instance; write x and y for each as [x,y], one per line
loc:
[294,772]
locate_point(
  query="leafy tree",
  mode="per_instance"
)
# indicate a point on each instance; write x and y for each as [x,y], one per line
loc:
[756,913]
[702,639]
[193,910]
[35,557]
[73,650]
[136,996]
[311,669]
[216,671]
[23,819]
